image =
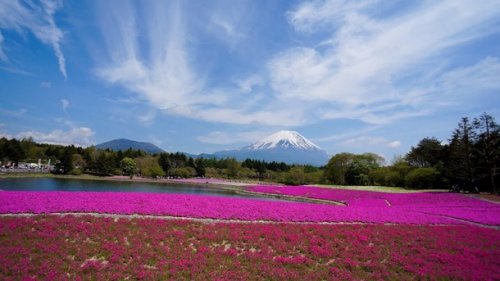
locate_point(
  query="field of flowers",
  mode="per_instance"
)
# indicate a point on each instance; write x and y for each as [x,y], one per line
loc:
[415,236]
[366,210]
[458,207]
[50,247]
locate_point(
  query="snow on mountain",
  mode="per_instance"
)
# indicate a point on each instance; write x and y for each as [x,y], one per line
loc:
[284,139]
[284,146]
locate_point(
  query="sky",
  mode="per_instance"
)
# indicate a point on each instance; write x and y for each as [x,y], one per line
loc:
[203,76]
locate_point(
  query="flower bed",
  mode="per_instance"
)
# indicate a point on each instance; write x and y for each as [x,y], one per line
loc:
[91,248]
[198,206]
[451,205]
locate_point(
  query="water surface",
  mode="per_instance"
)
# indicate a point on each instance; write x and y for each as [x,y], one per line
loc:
[54,184]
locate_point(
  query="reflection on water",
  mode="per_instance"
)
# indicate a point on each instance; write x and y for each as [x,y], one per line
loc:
[50,184]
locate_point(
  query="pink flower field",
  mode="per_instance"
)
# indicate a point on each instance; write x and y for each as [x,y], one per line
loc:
[425,208]
[414,236]
[457,207]
[91,248]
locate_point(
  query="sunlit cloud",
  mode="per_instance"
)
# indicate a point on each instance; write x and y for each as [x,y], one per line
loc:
[80,136]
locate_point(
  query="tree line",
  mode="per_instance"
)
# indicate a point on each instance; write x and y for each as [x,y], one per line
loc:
[469,161]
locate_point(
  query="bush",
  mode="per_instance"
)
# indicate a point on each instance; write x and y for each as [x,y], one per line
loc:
[422,178]
[393,178]
[295,176]
[76,172]
[185,172]
[153,171]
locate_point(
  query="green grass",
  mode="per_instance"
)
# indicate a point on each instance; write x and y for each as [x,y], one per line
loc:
[379,188]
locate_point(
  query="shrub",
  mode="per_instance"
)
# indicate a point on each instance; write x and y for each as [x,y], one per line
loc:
[422,178]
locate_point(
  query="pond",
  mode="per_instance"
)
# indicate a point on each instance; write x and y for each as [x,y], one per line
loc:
[53,184]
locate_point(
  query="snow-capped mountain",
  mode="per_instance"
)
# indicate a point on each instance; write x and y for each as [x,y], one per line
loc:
[283,146]
[284,139]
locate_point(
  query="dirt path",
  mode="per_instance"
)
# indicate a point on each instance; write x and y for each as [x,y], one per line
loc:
[116,217]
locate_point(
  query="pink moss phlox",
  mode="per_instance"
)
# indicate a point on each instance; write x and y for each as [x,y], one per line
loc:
[453,206]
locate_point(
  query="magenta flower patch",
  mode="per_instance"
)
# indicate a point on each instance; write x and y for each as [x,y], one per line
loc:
[369,207]
[453,206]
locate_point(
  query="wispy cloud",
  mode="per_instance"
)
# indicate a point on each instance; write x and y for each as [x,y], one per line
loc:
[360,68]
[36,18]
[13,113]
[2,54]
[247,85]
[160,71]
[365,61]
[227,29]
[16,71]
[65,105]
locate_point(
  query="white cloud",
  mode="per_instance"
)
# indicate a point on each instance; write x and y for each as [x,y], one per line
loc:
[359,68]
[65,105]
[363,141]
[80,136]
[2,54]
[147,117]
[37,19]
[13,113]
[484,75]
[310,15]
[161,71]
[246,85]
[227,22]
[363,63]
[227,28]
[394,144]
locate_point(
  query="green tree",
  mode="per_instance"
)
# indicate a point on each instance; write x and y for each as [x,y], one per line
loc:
[295,176]
[65,164]
[232,168]
[200,167]
[426,154]
[488,148]
[337,167]
[184,172]
[422,178]
[461,158]
[104,163]
[165,162]
[79,164]
[153,171]
[128,166]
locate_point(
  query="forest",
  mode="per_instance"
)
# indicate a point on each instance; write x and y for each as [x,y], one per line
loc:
[468,161]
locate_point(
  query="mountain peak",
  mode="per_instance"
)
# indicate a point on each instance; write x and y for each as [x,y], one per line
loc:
[124,144]
[284,139]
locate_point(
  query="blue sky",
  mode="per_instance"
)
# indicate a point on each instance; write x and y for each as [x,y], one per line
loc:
[201,76]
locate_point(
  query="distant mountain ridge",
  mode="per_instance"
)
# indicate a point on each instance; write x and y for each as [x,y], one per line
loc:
[125,144]
[283,146]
